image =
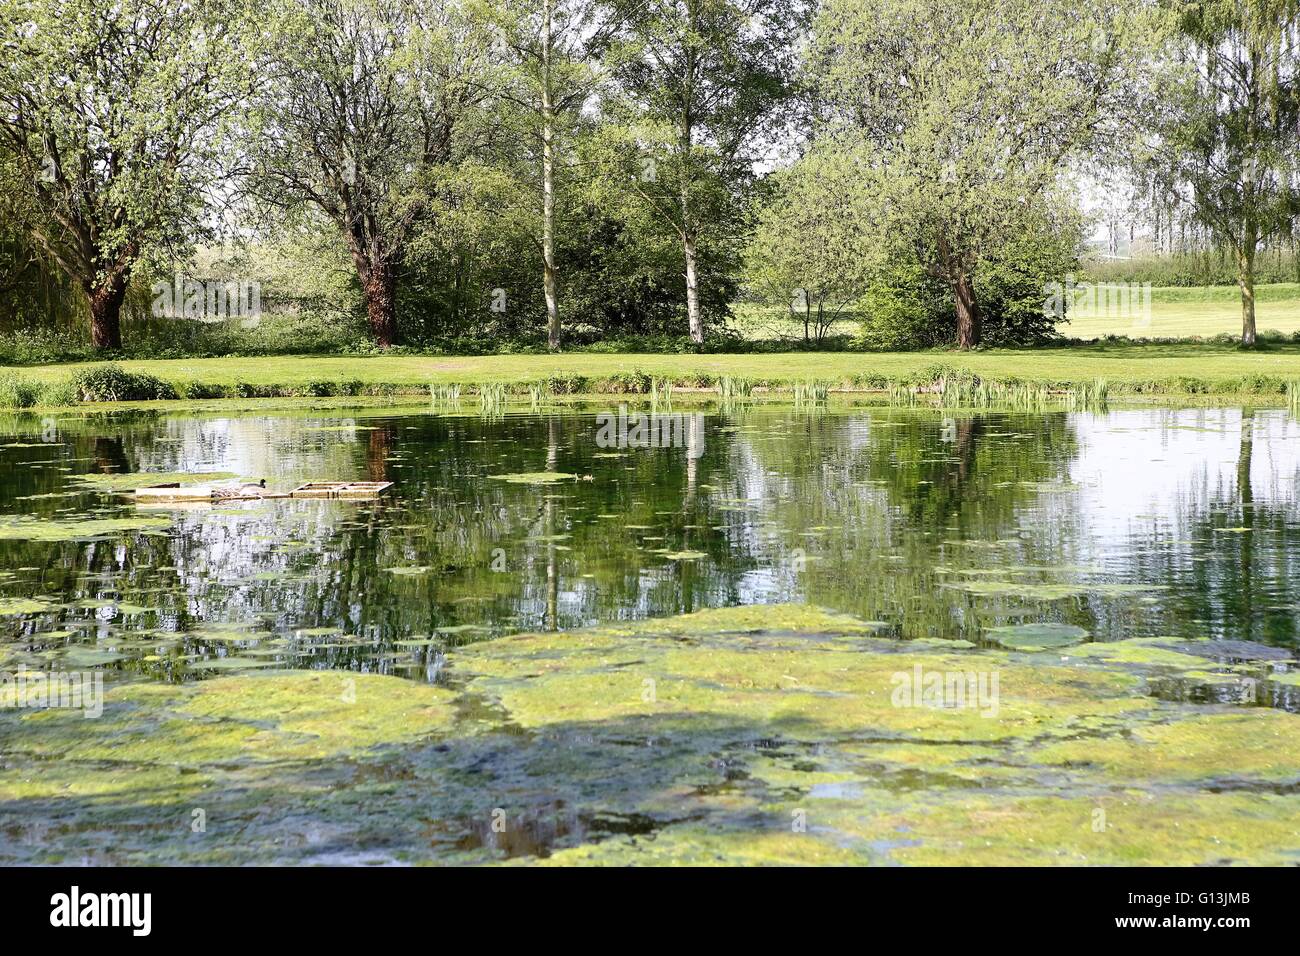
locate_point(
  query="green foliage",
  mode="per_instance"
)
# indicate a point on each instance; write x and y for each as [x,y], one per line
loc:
[633,382]
[1208,267]
[113,176]
[565,384]
[111,383]
[943,182]
[17,391]
[907,307]
[809,251]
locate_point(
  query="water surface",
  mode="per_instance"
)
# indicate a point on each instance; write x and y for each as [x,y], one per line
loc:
[1159,531]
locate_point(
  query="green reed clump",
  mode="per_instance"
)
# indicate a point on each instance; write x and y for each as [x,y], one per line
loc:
[1293,396]
[445,394]
[492,398]
[661,391]
[958,388]
[536,395]
[58,393]
[900,394]
[732,389]
[811,393]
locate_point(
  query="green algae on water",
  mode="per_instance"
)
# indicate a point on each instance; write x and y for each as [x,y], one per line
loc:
[535,477]
[25,528]
[10,607]
[1046,592]
[129,481]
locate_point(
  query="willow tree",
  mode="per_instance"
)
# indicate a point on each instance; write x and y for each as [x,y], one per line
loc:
[1225,129]
[365,105]
[113,113]
[965,114]
[697,85]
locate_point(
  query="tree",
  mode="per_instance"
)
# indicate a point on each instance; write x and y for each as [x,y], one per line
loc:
[114,113]
[553,47]
[809,246]
[1227,125]
[697,85]
[366,105]
[963,114]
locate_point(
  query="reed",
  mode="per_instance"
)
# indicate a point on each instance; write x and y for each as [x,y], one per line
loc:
[954,388]
[492,398]
[445,394]
[811,393]
[661,391]
[732,389]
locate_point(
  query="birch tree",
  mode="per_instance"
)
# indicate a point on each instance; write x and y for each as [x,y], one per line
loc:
[698,89]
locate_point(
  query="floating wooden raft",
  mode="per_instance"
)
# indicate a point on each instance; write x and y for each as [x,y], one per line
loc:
[175,491]
[341,489]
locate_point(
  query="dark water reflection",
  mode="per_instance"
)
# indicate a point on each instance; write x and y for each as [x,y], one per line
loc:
[1127,524]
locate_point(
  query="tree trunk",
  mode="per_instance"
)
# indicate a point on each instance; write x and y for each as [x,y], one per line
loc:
[381,304]
[968,312]
[548,189]
[1246,281]
[692,285]
[106,312]
[688,231]
[1246,494]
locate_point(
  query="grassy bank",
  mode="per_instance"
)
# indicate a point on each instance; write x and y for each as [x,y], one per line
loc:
[1134,369]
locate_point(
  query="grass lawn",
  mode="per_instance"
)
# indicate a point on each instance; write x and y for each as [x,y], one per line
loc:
[1126,367]
[1176,312]
[1205,312]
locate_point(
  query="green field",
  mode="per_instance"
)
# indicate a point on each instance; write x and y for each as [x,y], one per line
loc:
[1204,312]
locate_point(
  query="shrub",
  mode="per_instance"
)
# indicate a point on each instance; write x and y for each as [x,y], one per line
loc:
[565,383]
[112,383]
[634,382]
[200,390]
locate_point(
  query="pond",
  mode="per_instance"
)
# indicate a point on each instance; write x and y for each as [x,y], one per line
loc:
[604,634]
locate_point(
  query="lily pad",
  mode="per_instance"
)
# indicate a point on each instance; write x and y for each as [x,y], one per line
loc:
[1033,637]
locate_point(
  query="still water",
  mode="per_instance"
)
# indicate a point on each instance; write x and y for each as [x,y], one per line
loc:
[1038,535]
[1127,524]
